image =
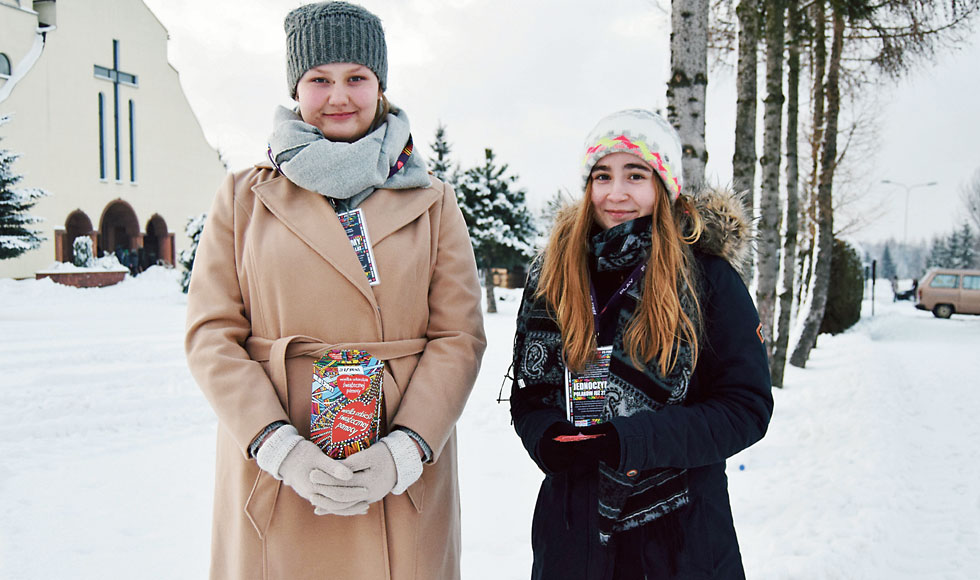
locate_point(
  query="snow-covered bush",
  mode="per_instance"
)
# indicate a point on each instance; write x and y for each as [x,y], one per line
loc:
[109,262]
[195,225]
[846,290]
[82,251]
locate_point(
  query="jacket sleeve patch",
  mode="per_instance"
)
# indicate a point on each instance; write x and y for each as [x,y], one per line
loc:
[758,332]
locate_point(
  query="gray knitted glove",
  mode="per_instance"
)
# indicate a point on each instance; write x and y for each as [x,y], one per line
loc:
[408,464]
[298,462]
[374,476]
[389,466]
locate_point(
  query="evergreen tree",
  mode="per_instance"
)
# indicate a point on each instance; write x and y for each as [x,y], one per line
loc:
[440,165]
[887,264]
[500,225]
[953,250]
[956,250]
[16,235]
[962,247]
[195,225]
[939,256]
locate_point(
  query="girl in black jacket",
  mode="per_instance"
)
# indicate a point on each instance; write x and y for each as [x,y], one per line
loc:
[639,368]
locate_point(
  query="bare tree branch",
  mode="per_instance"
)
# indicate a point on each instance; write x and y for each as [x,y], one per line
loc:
[970,196]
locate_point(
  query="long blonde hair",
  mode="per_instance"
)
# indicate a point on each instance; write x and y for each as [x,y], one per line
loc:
[659,324]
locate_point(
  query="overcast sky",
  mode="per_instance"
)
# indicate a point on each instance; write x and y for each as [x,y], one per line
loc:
[530,79]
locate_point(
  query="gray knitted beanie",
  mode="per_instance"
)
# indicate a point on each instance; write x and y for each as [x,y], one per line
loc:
[333,32]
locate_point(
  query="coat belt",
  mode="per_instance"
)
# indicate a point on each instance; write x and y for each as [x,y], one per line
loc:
[277,351]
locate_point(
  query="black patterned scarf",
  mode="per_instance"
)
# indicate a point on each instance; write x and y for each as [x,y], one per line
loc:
[624,502]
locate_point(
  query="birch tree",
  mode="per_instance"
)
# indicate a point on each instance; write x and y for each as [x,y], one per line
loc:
[746,87]
[688,83]
[780,337]
[824,241]
[768,246]
[744,158]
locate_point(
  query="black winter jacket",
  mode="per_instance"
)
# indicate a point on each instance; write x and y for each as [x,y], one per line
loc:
[727,409]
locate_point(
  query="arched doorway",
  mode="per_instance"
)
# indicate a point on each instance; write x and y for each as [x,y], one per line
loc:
[77,224]
[119,233]
[157,243]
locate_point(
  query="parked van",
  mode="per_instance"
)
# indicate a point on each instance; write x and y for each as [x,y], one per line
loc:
[946,291]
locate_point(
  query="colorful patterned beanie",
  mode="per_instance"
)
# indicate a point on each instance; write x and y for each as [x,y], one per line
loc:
[329,32]
[642,133]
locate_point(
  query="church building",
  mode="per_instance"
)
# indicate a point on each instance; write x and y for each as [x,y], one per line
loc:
[101,123]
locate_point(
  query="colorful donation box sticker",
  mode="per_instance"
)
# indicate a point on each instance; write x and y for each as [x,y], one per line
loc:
[345,412]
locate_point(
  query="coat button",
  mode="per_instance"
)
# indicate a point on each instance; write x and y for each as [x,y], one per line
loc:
[632,473]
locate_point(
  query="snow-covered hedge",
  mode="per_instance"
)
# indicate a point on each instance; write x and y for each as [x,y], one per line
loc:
[106,264]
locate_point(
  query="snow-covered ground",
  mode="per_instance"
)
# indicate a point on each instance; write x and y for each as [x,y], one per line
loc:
[871,468]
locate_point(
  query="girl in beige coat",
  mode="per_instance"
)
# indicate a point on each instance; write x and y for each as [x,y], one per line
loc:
[277,283]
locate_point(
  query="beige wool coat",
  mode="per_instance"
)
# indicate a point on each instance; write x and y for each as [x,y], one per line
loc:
[276,284]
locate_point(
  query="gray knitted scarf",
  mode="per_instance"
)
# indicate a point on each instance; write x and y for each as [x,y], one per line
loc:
[345,171]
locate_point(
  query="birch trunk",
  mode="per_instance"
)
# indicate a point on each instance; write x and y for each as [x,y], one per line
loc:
[808,213]
[687,85]
[770,214]
[488,285]
[825,216]
[819,70]
[744,158]
[777,364]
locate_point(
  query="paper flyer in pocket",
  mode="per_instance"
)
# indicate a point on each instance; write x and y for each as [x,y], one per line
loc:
[345,415]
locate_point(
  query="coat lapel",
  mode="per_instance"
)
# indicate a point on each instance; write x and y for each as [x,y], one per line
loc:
[388,210]
[308,215]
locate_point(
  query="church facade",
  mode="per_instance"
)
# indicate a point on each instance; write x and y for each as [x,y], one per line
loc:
[100,121]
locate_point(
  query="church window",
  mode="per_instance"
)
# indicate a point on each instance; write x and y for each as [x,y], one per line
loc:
[116,77]
[4,65]
[113,75]
[102,164]
[132,141]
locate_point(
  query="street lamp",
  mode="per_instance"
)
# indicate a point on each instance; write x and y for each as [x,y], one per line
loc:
[908,189]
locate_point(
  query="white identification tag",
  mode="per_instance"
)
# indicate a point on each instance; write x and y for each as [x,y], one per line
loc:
[357,233]
[585,392]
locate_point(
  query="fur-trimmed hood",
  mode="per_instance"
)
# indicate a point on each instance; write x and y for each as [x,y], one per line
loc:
[727,227]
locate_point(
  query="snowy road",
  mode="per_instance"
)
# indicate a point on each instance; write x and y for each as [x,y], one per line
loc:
[871,468]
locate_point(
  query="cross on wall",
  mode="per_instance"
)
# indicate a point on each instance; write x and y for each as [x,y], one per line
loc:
[117,77]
